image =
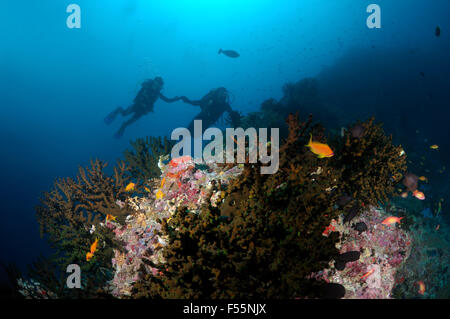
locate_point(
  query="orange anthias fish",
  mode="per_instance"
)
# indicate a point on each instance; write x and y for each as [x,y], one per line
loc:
[90,254]
[159,194]
[391,220]
[423,179]
[367,274]
[110,217]
[320,149]
[434,147]
[421,287]
[130,187]
[404,194]
[419,195]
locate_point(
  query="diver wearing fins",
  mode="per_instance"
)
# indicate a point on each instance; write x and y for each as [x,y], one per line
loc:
[143,104]
[213,105]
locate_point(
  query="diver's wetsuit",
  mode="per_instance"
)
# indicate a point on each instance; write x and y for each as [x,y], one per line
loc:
[142,104]
[212,105]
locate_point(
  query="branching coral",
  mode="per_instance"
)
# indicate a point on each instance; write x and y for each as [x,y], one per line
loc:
[76,206]
[142,161]
[372,164]
[262,241]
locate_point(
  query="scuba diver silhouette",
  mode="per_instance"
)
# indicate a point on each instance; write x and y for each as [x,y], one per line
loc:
[143,104]
[213,105]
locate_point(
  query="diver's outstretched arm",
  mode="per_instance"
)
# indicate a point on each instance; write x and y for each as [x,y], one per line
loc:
[168,100]
[186,100]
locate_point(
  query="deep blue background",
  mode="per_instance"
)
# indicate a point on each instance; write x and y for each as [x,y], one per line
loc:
[57,84]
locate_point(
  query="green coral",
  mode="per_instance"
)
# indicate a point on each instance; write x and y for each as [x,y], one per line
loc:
[270,243]
[142,160]
[67,213]
[372,164]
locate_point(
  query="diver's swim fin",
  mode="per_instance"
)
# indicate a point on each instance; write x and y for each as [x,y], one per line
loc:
[110,118]
[118,134]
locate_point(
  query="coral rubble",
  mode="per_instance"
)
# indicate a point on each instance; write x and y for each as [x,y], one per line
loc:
[382,250]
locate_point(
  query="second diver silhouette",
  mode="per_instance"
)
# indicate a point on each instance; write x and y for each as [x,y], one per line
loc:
[213,105]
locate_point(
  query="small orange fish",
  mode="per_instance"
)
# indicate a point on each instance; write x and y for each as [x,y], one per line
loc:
[130,187]
[419,195]
[159,194]
[90,254]
[434,147]
[320,149]
[367,274]
[391,220]
[110,217]
[423,179]
[404,194]
[421,287]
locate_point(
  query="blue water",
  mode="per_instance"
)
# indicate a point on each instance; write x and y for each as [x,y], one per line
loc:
[57,84]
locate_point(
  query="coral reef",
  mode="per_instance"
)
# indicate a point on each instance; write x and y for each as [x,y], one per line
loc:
[262,240]
[183,230]
[381,249]
[182,185]
[373,166]
[142,160]
[32,289]
[72,215]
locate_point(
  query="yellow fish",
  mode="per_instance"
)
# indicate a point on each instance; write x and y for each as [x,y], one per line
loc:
[159,194]
[147,189]
[434,147]
[419,195]
[110,217]
[320,149]
[90,254]
[130,187]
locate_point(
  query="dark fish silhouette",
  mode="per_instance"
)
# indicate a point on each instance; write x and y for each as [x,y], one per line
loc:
[229,53]
[352,213]
[438,31]
[345,258]
[332,291]
[360,227]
